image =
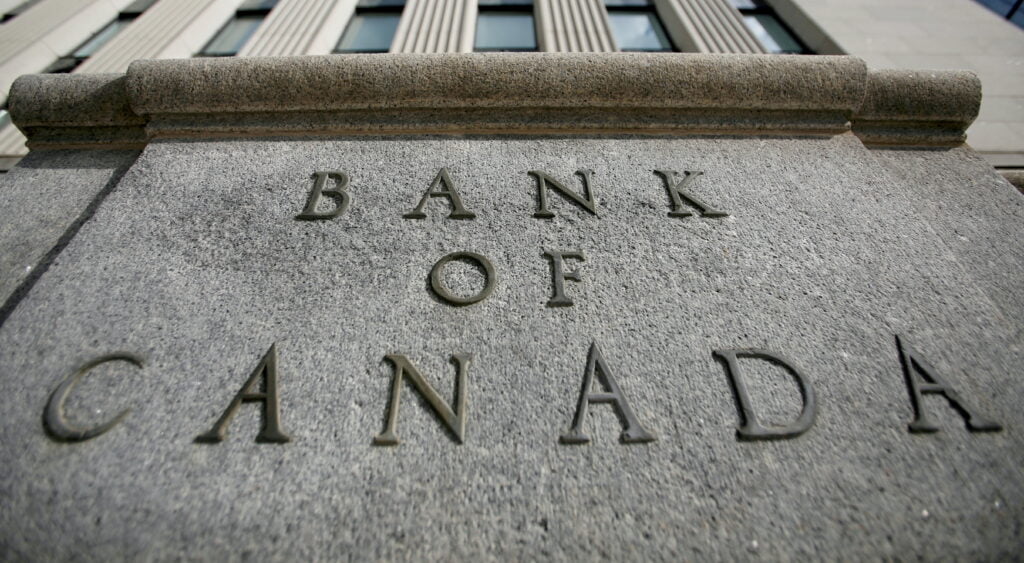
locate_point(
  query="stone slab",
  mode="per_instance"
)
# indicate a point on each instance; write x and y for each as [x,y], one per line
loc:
[46,197]
[195,263]
[959,193]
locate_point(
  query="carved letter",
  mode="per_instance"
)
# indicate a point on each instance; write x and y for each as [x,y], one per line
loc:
[338,194]
[437,283]
[458,211]
[750,428]
[632,431]
[559,299]
[912,361]
[271,432]
[676,192]
[543,181]
[53,418]
[454,420]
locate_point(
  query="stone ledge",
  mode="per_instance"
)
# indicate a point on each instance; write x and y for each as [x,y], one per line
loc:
[917,107]
[498,80]
[76,110]
[497,93]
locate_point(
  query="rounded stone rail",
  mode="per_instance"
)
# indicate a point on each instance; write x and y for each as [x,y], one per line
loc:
[495,93]
[918,107]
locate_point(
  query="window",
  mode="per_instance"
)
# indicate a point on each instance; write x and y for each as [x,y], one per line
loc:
[773,34]
[1009,9]
[93,44]
[505,25]
[372,28]
[636,27]
[18,10]
[233,36]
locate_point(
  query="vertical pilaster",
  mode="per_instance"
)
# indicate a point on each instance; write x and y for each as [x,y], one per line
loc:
[573,26]
[707,26]
[435,26]
[289,29]
[162,31]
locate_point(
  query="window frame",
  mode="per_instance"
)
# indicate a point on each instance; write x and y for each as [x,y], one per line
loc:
[643,7]
[762,8]
[71,61]
[362,10]
[248,9]
[18,10]
[507,6]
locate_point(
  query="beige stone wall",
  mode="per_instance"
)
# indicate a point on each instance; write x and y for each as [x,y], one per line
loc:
[938,34]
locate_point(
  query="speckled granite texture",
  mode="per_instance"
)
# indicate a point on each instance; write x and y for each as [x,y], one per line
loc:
[44,201]
[196,263]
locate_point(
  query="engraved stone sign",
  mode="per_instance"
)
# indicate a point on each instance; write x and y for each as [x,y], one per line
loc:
[624,344]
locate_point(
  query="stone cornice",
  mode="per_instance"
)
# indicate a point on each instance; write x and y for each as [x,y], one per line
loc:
[614,93]
[917,107]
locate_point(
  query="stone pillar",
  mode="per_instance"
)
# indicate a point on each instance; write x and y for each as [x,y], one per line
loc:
[573,26]
[436,26]
[707,26]
[168,29]
[290,28]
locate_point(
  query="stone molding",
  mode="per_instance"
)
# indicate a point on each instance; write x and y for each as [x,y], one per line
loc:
[918,107]
[608,93]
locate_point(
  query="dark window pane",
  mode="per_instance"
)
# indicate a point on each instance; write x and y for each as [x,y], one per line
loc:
[771,34]
[137,7]
[1003,8]
[100,39]
[381,3]
[63,65]
[638,31]
[369,33]
[486,3]
[233,36]
[505,31]
[24,6]
[627,3]
[257,5]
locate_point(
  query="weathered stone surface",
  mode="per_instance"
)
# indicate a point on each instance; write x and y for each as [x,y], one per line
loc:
[196,263]
[668,80]
[497,93]
[76,110]
[959,194]
[917,107]
[46,197]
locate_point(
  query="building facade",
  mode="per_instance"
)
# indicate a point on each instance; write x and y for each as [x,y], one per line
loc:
[420,303]
[105,36]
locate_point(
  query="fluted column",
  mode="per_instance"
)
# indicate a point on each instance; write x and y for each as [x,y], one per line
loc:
[573,26]
[289,29]
[168,29]
[436,26]
[707,26]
